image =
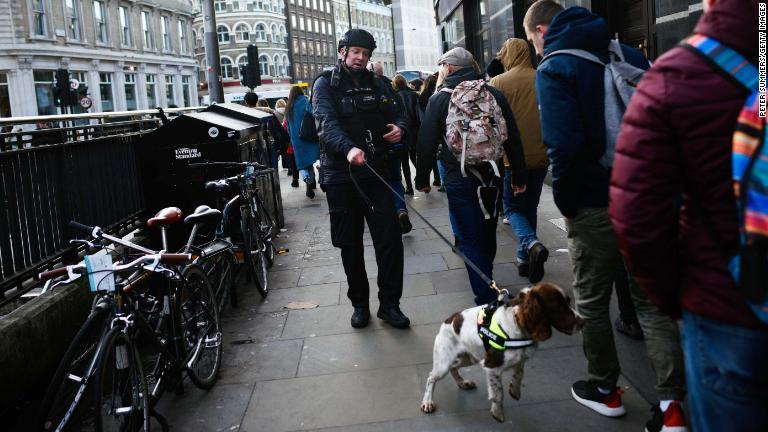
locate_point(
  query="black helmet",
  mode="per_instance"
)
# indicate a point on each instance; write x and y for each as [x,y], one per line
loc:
[358,38]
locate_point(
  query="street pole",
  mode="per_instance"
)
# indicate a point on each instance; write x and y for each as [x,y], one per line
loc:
[215,90]
[349,15]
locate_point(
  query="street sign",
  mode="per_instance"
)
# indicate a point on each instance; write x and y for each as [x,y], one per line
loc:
[74,84]
[85,102]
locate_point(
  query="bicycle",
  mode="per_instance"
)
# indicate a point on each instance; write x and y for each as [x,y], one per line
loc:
[186,335]
[256,225]
[216,256]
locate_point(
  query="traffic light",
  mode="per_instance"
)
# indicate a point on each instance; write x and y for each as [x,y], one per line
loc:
[61,93]
[250,75]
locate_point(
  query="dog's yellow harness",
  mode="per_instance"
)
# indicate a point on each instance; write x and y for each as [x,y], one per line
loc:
[491,333]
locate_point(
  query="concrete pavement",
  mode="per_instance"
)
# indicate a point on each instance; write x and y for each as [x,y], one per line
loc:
[289,370]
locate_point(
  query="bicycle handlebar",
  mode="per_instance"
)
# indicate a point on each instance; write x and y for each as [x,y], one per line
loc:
[91,230]
[97,233]
[164,258]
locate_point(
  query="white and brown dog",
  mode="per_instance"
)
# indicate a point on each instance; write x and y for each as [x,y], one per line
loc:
[524,321]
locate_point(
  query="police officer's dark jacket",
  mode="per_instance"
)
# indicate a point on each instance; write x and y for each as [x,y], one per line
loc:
[350,116]
[432,135]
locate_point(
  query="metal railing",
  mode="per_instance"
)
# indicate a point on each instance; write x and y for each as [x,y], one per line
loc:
[86,172]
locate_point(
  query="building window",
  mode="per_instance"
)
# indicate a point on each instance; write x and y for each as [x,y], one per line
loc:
[241,61]
[295,46]
[165,30]
[182,36]
[275,35]
[317,48]
[146,29]
[301,23]
[261,32]
[72,15]
[100,21]
[226,67]
[317,26]
[38,17]
[223,33]
[283,34]
[186,88]
[130,92]
[125,26]
[170,91]
[5,99]
[259,4]
[264,64]
[293,21]
[105,89]
[44,92]
[220,5]
[242,33]
[151,91]
[306,71]
[278,65]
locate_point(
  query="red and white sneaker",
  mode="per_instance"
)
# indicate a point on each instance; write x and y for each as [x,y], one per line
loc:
[587,394]
[671,420]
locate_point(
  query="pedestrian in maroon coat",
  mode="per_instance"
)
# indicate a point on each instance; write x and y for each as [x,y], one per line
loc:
[675,144]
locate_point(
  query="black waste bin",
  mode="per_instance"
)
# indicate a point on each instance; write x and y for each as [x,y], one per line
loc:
[220,133]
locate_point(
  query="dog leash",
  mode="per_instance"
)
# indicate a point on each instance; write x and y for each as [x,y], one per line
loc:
[502,292]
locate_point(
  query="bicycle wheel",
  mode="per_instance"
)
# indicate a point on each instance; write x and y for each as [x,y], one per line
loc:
[201,328]
[266,230]
[254,251]
[221,272]
[67,387]
[120,390]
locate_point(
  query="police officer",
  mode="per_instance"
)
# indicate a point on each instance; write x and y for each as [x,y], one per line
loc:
[358,124]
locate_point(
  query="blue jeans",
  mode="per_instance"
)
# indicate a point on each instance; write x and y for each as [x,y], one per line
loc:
[450,213]
[308,174]
[478,235]
[520,210]
[727,376]
[397,184]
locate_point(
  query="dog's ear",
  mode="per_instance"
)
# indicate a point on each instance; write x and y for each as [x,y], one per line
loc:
[535,319]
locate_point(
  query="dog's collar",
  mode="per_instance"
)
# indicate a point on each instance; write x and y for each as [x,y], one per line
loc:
[493,336]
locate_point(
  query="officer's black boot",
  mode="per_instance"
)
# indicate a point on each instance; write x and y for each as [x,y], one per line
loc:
[360,317]
[392,314]
[310,191]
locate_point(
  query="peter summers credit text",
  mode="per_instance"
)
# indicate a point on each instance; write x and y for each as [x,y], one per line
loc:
[761,43]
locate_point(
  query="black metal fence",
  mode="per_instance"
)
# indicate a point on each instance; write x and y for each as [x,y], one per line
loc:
[50,176]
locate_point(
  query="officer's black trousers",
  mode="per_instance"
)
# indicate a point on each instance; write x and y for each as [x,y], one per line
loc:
[348,211]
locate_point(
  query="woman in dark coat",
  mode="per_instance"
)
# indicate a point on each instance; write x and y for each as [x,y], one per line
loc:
[409,99]
[427,90]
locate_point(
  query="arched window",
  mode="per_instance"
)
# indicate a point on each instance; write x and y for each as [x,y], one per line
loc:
[278,65]
[276,37]
[241,61]
[264,64]
[286,65]
[226,67]
[242,32]
[283,34]
[261,32]
[223,33]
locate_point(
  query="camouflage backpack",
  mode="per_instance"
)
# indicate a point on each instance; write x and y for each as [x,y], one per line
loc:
[475,126]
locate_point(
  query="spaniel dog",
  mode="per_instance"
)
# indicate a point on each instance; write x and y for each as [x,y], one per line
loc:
[524,321]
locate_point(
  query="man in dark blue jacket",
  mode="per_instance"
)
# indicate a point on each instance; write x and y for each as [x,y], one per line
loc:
[358,122]
[570,91]
[476,225]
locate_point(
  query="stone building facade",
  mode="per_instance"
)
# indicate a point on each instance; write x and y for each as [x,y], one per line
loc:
[375,17]
[313,47]
[240,23]
[131,54]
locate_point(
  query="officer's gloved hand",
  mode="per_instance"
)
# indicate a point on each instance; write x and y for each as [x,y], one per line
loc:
[356,156]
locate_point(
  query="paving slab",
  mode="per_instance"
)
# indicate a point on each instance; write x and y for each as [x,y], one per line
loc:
[218,409]
[425,264]
[258,361]
[322,295]
[308,403]
[257,327]
[367,350]
[414,285]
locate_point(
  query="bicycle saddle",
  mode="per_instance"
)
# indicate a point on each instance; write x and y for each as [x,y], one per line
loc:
[165,217]
[204,215]
[218,186]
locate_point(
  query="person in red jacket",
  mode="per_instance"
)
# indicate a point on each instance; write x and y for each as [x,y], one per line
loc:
[676,143]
